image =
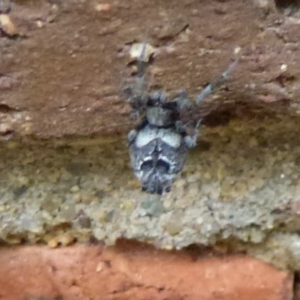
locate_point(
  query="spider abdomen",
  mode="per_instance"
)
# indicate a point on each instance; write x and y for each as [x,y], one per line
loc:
[157,155]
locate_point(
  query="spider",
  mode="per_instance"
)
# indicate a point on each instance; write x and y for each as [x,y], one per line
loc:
[158,146]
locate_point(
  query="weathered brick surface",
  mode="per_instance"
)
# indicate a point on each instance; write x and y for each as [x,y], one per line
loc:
[135,272]
[60,79]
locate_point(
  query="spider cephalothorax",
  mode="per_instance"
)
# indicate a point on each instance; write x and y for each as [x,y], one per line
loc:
[159,145]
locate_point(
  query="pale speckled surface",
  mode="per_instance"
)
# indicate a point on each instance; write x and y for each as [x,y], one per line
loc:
[239,186]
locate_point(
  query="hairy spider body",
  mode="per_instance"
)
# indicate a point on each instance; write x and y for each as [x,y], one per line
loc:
[159,145]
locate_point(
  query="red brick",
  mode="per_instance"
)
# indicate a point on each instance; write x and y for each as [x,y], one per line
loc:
[133,271]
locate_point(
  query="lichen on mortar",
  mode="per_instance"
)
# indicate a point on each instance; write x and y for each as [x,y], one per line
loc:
[241,183]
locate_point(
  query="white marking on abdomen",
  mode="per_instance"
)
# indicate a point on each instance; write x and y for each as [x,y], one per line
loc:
[168,136]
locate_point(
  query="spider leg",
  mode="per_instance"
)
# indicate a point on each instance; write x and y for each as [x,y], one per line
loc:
[217,83]
[132,135]
[135,93]
[141,72]
[135,102]
[191,140]
[128,93]
[182,100]
[158,97]
[180,127]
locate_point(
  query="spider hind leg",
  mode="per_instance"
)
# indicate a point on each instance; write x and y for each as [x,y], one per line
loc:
[212,87]
[135,92]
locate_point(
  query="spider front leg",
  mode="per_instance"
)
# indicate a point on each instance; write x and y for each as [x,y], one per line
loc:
[181,98]
[137,104]
[135,94]
[184,104]
[189,140]
[212,87]
[158,97]
[132,135]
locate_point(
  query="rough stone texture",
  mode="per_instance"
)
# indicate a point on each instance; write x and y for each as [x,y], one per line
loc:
[62,191]
[133,271]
